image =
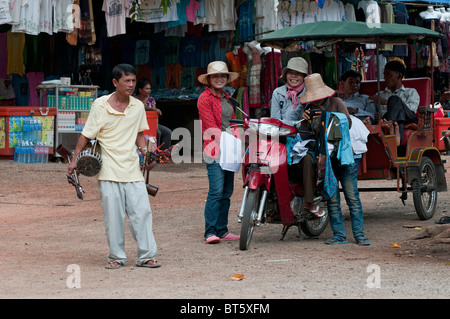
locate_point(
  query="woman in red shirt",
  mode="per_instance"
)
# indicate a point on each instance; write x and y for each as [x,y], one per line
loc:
[215,112]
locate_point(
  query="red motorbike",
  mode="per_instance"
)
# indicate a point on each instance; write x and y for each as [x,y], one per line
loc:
[272,188]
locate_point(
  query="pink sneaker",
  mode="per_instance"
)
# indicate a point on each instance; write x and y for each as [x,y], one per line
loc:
[213,239]
[230,236]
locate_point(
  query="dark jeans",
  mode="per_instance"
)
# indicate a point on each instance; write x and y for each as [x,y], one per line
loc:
[398,111]
[348,176]
[221,184]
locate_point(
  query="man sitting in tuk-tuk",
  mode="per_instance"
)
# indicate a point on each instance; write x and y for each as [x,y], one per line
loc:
[357,104]
[398,104]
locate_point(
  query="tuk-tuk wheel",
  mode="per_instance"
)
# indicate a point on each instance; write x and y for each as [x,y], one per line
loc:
[425,189]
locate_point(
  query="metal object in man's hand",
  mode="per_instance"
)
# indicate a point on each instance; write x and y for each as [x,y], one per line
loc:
[71,178]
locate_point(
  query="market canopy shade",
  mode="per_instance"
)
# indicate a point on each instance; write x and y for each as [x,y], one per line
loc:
[329,32]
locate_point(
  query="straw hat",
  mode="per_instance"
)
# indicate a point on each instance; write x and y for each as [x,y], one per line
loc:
[217,67]
[315,89]
[297,64]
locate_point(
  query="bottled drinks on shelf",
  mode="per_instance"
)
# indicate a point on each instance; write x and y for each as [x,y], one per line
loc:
[31,148]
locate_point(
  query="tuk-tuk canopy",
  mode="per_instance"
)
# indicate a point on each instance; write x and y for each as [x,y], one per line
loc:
[329,32]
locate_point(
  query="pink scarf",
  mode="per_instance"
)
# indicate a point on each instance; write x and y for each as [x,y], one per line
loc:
[292,94]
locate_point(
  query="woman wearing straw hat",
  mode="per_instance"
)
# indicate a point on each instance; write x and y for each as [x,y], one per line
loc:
[320,96]
[285,104]
[215,112]
[286,107]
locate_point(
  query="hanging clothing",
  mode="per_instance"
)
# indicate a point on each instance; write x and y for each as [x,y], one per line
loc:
[16,43]
[254,80]
[115,14]
[245,21]
[29,18]
[61,16]
[5,15]
[235,65]
[272,71]
[220,15]
[152,12]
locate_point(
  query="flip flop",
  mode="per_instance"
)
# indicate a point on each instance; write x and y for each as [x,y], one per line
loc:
[362,241]
[336,240]
[113,265]
[153,264]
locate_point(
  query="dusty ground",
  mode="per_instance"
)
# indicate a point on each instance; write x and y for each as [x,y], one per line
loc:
[45,229]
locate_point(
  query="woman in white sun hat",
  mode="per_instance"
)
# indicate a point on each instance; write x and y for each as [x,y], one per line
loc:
[215,111]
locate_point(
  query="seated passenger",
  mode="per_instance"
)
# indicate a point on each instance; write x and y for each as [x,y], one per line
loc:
[398,104]
[286,107]
[357,104]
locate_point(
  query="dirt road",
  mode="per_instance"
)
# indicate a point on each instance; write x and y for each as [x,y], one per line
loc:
[54,246]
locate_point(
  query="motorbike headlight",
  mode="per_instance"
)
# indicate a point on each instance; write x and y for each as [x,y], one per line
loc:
[269,129]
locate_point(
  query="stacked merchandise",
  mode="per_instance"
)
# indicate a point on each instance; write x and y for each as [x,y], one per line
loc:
[29,139]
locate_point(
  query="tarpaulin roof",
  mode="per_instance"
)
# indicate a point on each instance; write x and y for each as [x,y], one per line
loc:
[328,32]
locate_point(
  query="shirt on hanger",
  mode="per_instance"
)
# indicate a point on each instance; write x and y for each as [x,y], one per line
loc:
[151,12]
[29,18]
[5,15]
[220,15]
[62,12]
[115,14]
[191,10]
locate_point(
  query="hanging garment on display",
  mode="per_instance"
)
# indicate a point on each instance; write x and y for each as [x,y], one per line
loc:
[3,55]
[115,14]
[266,17]
[152,12]
[16,43]
[62,15]
[72,37]
[191,10]
[29,18]
[181,12]
[255,78]
[235,65]
[46,16]
[5,15]
[220,15]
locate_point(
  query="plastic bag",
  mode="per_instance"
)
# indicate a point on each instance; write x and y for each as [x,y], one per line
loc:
[230,152]
[440,112]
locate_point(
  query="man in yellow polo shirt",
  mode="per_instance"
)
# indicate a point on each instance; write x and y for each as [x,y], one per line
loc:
[118,121]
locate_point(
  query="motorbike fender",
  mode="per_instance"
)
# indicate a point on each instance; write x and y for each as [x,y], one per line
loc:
[255,179]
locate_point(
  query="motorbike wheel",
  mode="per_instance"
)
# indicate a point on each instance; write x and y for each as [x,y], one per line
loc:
[314,226]
[249,219]
[425,190]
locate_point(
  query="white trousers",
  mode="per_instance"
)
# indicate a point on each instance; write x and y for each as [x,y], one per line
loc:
[127,199]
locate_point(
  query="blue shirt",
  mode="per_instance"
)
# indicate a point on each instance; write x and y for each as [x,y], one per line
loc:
[363,104]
